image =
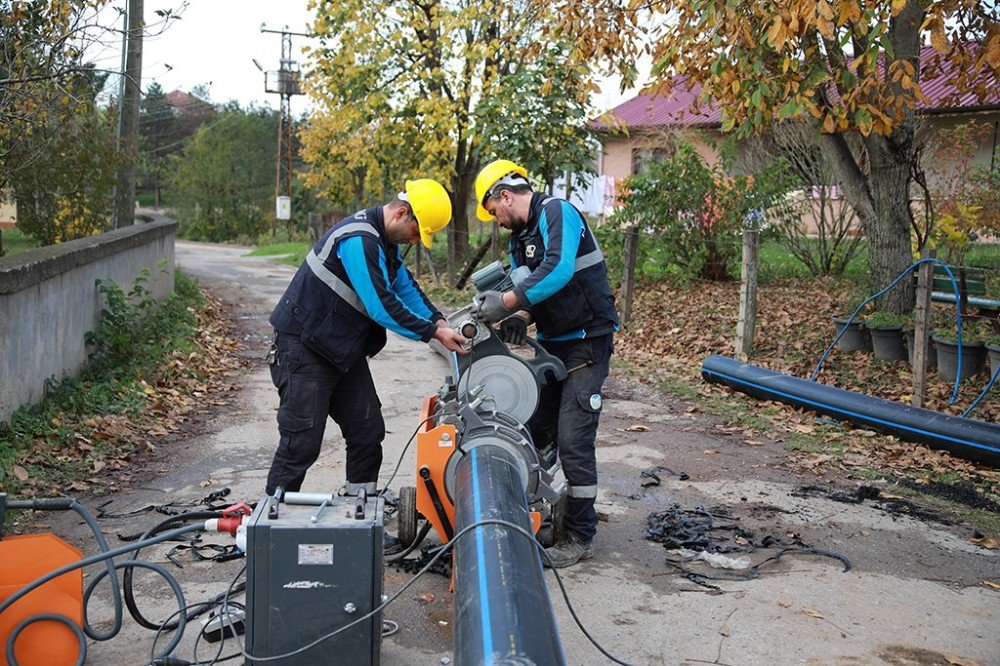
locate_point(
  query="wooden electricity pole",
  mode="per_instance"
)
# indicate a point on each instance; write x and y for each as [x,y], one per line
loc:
[124,211]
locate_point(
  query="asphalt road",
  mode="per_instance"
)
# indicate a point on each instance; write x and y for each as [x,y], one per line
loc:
[914,594]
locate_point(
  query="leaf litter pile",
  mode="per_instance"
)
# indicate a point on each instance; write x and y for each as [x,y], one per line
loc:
[97,454]
[674,327]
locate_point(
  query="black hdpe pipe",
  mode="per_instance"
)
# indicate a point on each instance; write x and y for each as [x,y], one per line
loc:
[967,438]
[503,614]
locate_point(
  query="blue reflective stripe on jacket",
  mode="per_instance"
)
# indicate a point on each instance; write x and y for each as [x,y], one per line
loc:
[408,291]
[343,314]
[561,238]
[365,263]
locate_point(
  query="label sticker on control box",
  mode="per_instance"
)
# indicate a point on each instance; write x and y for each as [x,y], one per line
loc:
[315,553]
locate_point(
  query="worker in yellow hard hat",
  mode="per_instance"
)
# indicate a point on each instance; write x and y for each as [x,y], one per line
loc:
[334,314]
[568,298]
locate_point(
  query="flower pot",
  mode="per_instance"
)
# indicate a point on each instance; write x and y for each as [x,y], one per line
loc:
[973,359]
[856,337]
[888,344]
[994,355]
[930,359]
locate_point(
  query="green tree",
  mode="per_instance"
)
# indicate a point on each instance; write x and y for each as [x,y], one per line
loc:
[545,131]
[41,65]
[412,94]
[73,156]
[853,68]
[158,139]
[222,183]
[695,211]
[66,193]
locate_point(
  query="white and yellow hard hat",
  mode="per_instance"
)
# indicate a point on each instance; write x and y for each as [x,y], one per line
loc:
[496,172]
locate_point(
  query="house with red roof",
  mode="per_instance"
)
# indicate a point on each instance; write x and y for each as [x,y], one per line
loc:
[643,128]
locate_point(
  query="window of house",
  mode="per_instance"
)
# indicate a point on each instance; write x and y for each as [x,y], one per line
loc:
[643,157]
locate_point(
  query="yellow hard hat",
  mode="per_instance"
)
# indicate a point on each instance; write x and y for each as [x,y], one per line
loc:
[431,206]
[488,176]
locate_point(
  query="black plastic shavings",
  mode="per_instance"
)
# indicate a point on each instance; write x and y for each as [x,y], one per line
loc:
[700,530]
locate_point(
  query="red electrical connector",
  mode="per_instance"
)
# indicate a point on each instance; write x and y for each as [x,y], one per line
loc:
[232,518]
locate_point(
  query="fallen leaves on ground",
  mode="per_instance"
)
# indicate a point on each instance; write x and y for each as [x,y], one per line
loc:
[673,328]
[106,445]
[986,542]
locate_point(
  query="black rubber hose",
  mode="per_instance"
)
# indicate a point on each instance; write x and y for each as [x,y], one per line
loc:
[130,603]
[421,535]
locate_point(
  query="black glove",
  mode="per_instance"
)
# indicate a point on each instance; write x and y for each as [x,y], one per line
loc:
[492,309]
[513,330]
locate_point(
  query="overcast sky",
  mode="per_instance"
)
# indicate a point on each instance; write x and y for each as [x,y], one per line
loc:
[214,44]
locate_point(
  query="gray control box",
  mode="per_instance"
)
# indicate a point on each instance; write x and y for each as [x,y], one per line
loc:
[311,570]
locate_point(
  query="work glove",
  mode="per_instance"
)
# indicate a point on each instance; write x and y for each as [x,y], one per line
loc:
[491,307]
[513,330]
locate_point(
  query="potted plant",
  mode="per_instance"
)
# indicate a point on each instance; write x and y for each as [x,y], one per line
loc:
[886,331]
[973,351]
[856,336]
[993,351]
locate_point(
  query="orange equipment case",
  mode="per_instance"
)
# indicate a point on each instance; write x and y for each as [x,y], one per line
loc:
[22,560]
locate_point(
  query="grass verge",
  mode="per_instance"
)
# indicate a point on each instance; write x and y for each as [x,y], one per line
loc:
[15,241]
[143,355]
[291,253]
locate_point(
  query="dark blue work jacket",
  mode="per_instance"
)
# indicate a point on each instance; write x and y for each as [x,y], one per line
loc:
[352,286]
[567,292]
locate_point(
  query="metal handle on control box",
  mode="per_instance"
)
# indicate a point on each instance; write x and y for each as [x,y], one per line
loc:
[310,499]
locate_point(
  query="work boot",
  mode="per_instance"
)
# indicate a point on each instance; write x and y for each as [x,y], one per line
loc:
[390,544]
[354,489]
[568,552]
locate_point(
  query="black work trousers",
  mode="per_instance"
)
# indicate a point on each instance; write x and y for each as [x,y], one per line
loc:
[568,414]
[310,389]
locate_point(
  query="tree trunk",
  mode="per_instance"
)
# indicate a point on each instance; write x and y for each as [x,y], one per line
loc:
[462,187]
[888,231]
[880,197]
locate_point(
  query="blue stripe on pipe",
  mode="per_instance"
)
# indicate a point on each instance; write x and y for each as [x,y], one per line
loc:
[484,596]
[847,412]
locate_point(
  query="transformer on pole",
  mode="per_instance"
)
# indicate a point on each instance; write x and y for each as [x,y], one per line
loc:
[285,82]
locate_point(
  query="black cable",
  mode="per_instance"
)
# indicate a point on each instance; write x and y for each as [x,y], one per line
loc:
[127,577]
[399,462]
[421,535]
[444,549]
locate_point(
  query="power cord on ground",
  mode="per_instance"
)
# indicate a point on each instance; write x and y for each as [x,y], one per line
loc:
[445,549]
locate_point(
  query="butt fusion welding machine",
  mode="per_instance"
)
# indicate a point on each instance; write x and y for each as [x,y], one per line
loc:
[496,394]
[314,561]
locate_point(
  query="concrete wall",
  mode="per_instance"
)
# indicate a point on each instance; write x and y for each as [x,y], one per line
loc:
[49,300]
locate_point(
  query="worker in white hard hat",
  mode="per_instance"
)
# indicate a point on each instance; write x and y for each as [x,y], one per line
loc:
[568,298]
[334,314]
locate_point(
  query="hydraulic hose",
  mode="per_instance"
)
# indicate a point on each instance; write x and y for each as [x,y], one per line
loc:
[70,504]
[104,556]
[958,320]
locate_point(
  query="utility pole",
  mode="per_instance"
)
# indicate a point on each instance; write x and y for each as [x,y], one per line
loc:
[124,211]
[285,82]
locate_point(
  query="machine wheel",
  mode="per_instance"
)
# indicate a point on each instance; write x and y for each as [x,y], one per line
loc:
[406,516]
